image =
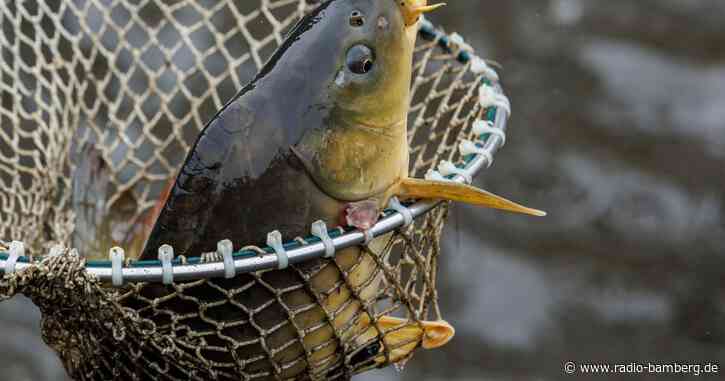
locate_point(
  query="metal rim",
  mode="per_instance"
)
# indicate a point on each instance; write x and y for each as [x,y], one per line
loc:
[246,261]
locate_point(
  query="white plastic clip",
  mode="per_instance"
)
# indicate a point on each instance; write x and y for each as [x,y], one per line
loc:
[117,256]
[319,230]
[481,127]
[274,240]
[434,175]
[403,210]
[225,249]
[468,147]
[447,168]
[56,251]
[425,23]
[479,66]
[458,40]
[489,97]
[368,234]
[166,255]
[15,251]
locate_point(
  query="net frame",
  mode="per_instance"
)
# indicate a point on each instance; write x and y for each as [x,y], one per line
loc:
[246,261]
[59,283]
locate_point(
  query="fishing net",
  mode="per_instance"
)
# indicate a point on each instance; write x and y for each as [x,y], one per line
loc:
[126,86]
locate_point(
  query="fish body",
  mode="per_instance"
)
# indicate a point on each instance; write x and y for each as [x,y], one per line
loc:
[299,142]
[321,126]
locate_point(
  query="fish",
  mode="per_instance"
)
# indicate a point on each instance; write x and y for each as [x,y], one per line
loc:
[319,133]
[323,125]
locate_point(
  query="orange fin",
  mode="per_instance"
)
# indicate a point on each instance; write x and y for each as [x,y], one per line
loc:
[449,190]
[148,222]
[434,334]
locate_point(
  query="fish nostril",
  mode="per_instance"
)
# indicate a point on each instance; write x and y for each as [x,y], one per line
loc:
[383,22]
[357,19]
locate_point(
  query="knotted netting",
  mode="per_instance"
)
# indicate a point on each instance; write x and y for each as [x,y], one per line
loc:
[116,92]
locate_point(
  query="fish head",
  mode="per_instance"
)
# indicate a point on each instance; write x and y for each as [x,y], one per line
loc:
[374,68]
[361,148]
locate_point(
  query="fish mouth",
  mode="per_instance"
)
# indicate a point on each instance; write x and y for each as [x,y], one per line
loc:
[412,9]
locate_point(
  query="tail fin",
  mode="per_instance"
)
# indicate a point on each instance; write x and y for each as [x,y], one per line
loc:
[98,225]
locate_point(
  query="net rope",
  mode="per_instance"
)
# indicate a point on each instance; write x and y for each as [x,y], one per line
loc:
[128,85]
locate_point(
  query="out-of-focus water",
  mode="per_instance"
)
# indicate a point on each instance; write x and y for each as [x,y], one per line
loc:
[619,133]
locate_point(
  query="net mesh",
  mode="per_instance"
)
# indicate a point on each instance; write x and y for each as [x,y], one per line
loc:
[136,81]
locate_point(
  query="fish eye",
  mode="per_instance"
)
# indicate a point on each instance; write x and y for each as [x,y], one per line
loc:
[360,59]
[357,19]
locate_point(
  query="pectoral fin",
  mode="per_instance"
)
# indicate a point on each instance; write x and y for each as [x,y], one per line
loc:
[449,190]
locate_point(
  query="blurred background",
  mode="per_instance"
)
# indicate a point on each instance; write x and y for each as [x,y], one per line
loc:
[619,133]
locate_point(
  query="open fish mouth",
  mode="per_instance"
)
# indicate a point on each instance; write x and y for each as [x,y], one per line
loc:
[413,9]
